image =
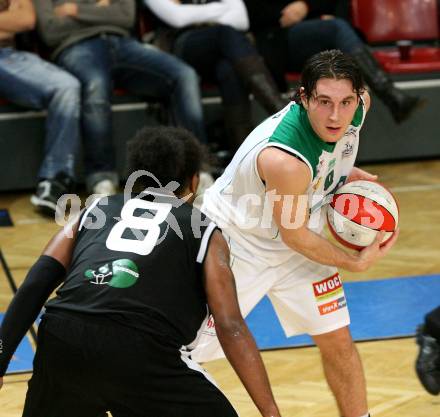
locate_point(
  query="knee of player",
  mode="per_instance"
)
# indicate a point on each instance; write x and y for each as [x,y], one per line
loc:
[338,344]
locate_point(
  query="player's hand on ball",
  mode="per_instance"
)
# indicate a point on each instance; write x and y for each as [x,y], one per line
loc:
[371,254]
[384,249]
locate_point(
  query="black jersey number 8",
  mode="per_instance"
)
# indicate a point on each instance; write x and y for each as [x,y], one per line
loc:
[116,242]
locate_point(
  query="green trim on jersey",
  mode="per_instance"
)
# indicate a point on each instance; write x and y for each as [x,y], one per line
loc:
[295,132]
[358,116]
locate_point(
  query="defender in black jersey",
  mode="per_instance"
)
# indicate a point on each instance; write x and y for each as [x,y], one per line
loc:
[141,273]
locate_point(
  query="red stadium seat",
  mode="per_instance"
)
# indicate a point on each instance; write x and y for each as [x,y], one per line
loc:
[387,21]
[393,20]
[421,60]
[293,76]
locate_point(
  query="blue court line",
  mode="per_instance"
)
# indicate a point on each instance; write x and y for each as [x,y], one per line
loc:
[381,309]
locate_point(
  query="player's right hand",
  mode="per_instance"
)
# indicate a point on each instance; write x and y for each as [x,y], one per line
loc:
[371,254]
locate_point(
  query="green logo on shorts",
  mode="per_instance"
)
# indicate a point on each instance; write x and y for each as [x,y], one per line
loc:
[122,273]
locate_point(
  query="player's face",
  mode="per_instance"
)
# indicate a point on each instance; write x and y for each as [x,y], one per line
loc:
[331,108]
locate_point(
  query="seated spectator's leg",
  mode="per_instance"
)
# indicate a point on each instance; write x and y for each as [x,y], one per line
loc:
[236,104]
[29,81]
[250,67]
[317,35]
[202,49]
[312,36]
[145,70]
[272,45]
[90,61]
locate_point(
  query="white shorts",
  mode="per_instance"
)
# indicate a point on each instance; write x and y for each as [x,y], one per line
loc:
[307,297]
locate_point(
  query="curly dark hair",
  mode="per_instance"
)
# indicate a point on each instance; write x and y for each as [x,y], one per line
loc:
[329,64]
[169,153]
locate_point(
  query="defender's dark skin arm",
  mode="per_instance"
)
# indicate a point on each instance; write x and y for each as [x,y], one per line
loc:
[60,247]
[234,336]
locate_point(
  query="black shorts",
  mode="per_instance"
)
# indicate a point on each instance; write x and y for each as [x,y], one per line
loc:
[86,369]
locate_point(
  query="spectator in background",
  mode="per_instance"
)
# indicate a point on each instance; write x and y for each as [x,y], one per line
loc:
[209,36]
[288,33]
[27,80]
[92,41]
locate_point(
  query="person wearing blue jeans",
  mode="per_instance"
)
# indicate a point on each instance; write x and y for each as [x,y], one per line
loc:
[142,70]
[210,36]
[27,80]
[289,32]
[93,42]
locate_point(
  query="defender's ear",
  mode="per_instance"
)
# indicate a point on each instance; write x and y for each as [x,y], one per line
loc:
[194,183]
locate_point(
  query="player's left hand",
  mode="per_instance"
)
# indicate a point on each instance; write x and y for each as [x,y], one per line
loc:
[371,254]
[359,174]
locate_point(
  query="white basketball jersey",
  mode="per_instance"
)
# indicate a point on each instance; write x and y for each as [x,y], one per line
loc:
[238,201]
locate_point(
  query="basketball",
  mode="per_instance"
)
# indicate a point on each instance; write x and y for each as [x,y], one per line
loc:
[359,210]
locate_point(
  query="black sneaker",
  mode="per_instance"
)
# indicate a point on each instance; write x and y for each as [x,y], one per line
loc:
[49,191]
[428,361]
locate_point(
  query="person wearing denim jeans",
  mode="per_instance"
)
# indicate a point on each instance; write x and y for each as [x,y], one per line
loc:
[141,69]
[92,41]
[27,80]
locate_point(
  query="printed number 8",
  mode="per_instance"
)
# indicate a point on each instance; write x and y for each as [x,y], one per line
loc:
[116,242]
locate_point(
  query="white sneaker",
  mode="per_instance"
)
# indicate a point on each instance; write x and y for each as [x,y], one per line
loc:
[104,188]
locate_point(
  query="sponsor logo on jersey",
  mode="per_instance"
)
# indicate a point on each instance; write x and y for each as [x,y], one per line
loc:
[348,150]
[122,273]
[331,164]
[210,324]
[351,131]
[327,287]
[209,327]
[317,184]
[332,306]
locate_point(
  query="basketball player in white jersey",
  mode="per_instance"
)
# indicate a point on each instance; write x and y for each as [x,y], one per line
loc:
[269,205]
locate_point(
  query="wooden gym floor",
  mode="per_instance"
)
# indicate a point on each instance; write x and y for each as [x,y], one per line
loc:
[296,375]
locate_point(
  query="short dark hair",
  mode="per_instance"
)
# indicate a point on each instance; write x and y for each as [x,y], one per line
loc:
[169,153]
[330,64]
